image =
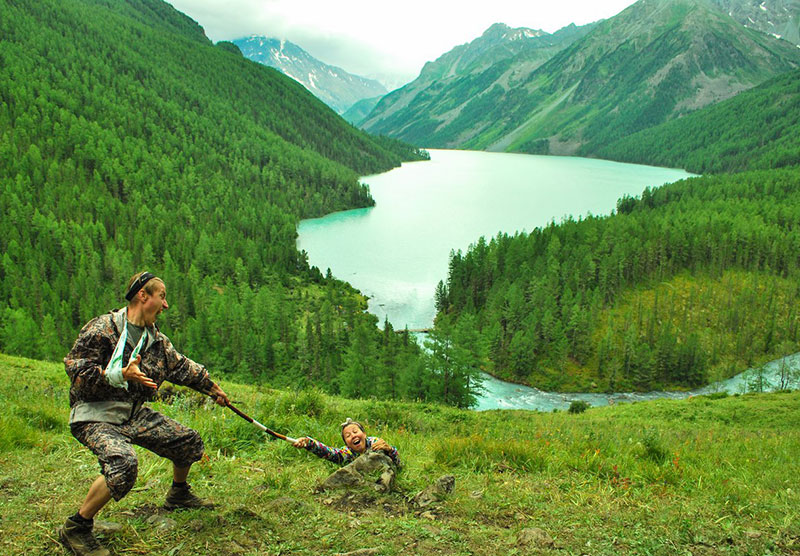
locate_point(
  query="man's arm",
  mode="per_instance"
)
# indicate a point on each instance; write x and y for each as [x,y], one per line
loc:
[184,371]
[86,362]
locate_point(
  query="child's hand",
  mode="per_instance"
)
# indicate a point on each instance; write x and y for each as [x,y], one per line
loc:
[380,444]
[301,442]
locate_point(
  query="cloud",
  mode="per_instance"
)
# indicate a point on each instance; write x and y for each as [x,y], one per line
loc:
[385,40]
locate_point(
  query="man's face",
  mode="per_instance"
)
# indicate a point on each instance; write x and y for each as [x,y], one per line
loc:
[354,438]
[154,303]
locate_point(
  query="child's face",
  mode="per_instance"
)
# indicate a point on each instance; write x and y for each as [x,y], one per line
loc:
[354,438]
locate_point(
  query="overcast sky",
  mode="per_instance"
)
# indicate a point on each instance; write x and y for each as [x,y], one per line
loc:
[385,40]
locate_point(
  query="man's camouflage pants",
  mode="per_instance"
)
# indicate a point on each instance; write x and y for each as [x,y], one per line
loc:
[112,444]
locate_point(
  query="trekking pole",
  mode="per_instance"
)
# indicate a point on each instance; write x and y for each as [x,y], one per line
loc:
[258,425]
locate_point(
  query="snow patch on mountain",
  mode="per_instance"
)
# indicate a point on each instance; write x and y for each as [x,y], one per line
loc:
[334,86]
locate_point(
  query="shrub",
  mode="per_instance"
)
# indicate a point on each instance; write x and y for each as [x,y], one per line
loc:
[578,406]
[654,449]
[716,395]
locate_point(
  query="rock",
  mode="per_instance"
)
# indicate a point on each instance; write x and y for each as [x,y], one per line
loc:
[106,527]
[372,468]
[161,523]
[285,504]
[443,486]
[535,537]
[752,534]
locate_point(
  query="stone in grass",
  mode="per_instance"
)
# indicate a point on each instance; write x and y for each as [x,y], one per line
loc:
[435,492]
[161,523]
[534,537]
[106,528]
[372,468]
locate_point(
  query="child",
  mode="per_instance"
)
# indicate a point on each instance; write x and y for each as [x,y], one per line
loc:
[356,443]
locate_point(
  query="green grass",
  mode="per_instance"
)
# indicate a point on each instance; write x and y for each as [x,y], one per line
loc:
[698,476]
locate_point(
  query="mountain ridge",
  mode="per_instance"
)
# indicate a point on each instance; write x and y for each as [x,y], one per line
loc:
[336,87]
[757,129]
[652,62]
[463,67]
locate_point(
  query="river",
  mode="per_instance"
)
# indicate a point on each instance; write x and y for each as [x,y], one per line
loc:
[397,251]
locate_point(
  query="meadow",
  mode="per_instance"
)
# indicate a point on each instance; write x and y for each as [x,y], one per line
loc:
[707,475]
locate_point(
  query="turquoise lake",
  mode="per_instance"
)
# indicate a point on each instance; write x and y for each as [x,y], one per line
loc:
[397,251]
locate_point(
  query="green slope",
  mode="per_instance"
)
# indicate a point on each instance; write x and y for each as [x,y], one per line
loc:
[759,128]
[129,141]
[710,476]
[416,110]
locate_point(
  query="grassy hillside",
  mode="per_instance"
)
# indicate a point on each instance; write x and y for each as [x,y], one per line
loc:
[703,476]
[759,128]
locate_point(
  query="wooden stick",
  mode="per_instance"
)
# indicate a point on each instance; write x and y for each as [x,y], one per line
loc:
[246,417]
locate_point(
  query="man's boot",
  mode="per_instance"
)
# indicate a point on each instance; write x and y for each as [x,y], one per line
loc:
[182,497]
[80,539]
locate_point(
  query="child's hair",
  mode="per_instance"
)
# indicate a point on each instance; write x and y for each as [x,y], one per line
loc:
[349,422]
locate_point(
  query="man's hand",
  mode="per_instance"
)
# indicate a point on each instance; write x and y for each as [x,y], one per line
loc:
[134,373]
[301,442]
[219,395]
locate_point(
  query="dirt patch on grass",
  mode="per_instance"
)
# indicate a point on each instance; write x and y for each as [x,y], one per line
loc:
[366,503]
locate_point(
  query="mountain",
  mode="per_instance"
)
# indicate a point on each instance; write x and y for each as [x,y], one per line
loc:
[360,110]
[756,129]
[463,69]
[780,18]
[654,61]
[334,86]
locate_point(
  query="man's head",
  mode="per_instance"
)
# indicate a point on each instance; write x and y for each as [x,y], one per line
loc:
[354,436]
[147,296]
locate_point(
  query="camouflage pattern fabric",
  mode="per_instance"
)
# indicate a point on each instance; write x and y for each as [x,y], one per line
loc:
[112,444]
[86,362]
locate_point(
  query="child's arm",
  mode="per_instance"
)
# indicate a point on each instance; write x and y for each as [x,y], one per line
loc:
[336,455]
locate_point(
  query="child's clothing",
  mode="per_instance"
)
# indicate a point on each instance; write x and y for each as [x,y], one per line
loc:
[344,454]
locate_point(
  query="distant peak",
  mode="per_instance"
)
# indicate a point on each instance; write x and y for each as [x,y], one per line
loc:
[496,28]
[503,31]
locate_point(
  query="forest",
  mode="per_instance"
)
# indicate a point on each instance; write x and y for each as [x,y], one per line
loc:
[688,283]
[129,141]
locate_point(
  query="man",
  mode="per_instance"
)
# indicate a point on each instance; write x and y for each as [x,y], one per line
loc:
[117,364]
